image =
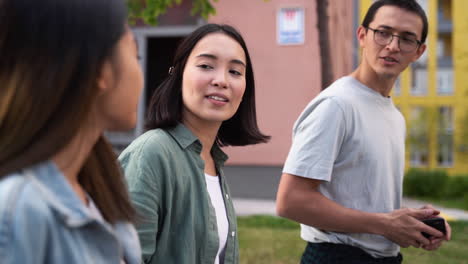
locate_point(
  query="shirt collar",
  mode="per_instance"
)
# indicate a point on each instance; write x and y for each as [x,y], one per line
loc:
[185,138]
[59,194]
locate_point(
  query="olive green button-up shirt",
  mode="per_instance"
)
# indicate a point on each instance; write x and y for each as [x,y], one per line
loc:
[166,181]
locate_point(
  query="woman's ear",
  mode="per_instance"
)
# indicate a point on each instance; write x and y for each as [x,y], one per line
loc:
[105,78]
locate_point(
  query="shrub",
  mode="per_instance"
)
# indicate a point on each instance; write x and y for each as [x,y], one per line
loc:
[422,183]
[412,182]
[465,204]
[457,186]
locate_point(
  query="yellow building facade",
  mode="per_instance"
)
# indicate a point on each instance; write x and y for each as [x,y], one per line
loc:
[432,93]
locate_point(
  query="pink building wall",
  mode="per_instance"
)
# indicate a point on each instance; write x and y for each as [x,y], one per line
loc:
[287,77]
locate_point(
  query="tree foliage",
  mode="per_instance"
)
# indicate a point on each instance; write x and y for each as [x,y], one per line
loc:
[150,10]
[463,126]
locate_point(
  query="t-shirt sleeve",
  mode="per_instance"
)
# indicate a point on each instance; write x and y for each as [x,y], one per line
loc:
[317,138]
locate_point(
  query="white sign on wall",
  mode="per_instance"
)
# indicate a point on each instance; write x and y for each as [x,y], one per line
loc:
[290,26]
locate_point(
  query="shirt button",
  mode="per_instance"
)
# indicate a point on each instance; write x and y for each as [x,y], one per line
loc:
[233,233]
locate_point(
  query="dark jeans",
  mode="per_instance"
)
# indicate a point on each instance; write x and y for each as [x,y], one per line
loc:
[328,253]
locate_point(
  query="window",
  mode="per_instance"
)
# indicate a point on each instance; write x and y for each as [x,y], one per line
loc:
[444,48]
[419,86]
[418,137]
[445,137]
[445,81]
[419,68]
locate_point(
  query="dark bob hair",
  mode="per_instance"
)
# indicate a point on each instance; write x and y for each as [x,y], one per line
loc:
[165,108]
[408,5]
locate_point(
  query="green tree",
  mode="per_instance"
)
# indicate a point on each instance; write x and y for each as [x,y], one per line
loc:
[150,10]
[463,143]
[422,121]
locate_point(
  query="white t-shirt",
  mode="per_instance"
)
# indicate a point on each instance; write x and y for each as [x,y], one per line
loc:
[94,211]
[352,138]
[216,196]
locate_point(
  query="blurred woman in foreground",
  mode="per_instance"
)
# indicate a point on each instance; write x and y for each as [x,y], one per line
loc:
[68,72]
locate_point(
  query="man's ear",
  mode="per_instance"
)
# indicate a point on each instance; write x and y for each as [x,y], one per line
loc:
[105,78]
[419,52]
[361,33]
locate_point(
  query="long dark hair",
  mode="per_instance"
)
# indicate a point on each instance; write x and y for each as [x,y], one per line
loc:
[165,108]
[51,54]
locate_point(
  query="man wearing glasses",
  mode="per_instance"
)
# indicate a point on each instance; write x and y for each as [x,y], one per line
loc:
[343,176]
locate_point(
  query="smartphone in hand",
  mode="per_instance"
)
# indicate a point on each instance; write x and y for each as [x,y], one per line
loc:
[437,223]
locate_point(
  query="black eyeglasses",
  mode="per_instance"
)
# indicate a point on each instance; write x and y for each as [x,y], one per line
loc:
[406,43]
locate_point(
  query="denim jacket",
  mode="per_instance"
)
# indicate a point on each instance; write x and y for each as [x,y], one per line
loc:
[43,221]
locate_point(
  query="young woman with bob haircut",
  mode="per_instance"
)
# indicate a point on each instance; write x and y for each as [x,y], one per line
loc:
[68,72]
[174,170]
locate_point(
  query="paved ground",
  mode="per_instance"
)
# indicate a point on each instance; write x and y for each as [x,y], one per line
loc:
[253,182]
[254,192]
[447,213]
[245,207]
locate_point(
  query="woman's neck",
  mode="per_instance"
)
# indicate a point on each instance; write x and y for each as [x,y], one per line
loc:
[206,132]
[73,156]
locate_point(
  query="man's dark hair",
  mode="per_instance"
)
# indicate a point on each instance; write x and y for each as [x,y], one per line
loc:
[408,5]
[165,108]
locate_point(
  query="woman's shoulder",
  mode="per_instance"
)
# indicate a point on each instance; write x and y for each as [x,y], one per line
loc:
[150,142]
[153,137]
[13,186]
[150,148]
[21,204]
[19,191]
[25,218]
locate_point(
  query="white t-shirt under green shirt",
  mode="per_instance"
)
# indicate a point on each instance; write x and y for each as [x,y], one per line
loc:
[216,196]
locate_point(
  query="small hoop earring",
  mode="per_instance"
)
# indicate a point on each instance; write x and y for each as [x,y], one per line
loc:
[171,70]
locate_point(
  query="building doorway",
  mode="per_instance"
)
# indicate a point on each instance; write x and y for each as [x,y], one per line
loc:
[160,54]
[157,46]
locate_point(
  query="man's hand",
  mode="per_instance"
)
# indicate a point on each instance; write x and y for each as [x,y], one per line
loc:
[435,243]
[405,227]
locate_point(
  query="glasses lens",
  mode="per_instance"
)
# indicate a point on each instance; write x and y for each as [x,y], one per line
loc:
[408,45]
[382,37]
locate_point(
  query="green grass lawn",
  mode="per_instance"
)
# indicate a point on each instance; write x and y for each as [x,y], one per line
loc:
[273,240]
[458,203]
